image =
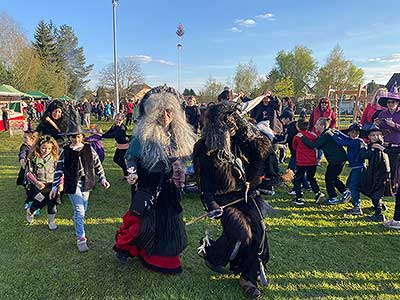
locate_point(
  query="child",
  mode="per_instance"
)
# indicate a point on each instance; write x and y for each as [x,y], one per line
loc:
[78,163]
[306,163]
[336,157]
[40,168]
[354,144]
[377,174]
[95,140]
[118,132]
[395,222]
[289,132]
[29,141]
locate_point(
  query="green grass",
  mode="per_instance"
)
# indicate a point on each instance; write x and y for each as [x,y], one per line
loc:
[316,252]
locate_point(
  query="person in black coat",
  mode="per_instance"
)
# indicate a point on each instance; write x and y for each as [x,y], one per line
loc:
[54,121]
[268,109]
[192,113]
[118,132]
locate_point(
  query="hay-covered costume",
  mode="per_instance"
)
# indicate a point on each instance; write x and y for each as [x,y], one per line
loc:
[153,229]
[230,154]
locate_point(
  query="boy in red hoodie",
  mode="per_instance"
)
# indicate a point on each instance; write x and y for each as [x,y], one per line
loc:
[306,162]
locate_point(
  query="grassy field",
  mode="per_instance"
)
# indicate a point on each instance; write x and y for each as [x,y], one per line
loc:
[317,251]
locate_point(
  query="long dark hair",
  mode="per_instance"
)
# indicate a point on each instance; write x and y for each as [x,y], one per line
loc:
[290,103]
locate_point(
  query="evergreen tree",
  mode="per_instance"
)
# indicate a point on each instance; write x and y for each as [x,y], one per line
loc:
[45,43]
[186,92]
[73,59]
[192,93]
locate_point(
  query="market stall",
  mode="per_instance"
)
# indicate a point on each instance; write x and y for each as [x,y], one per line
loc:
[11,99]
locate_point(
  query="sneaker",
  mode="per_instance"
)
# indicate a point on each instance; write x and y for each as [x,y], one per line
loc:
[392,224]
[376,218]
[37,212]
[51,222]
[29,216]
[267,192]
[332,201]
[298,201]
[346,196]
[318,197]
[81,243]
[292,192]
[355,211]
[27,205]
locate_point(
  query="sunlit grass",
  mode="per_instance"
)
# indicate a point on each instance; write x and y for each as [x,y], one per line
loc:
[317,252]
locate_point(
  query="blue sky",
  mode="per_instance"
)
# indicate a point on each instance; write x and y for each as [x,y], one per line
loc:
[220,34]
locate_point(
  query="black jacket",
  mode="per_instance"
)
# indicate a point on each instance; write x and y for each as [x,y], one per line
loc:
[71,168]
[269,112]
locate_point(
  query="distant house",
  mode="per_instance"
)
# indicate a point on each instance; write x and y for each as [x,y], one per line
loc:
[137,91]
[395,78]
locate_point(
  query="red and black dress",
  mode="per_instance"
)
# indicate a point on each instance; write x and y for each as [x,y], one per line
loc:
[153,232]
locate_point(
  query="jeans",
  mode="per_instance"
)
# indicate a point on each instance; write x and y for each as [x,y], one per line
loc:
[353,182]
[292,166]
[79,202]
[129,119]
[332,180]
[309,171]
[87,119]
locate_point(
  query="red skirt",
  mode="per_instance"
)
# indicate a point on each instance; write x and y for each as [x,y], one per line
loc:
[125,243]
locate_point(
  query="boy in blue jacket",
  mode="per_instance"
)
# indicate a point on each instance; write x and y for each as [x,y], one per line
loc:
[356,163]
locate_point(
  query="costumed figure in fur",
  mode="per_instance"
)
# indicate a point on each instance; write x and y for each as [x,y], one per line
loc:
[153,229]
[229,162]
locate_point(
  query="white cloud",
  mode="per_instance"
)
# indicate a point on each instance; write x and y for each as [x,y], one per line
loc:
[246,22]
[145,59]
[266,16]
[164,62]
[235,29]
[395,57]
[380,74]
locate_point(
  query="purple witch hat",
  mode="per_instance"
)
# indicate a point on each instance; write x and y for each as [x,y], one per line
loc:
[393,94]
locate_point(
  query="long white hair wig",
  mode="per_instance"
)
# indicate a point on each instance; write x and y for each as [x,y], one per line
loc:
[158,144]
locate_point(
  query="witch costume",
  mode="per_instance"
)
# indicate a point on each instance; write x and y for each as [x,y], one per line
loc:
[54,127]
[153,229]
[230,157]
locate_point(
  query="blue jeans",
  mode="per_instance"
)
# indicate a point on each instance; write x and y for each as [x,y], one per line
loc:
[292,166]
[353,183]
[79,202]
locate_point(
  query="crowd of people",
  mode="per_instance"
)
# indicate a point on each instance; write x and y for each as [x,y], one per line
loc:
[235,159]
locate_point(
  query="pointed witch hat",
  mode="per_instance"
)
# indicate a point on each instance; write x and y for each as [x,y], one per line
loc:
[74,124]
[393,94]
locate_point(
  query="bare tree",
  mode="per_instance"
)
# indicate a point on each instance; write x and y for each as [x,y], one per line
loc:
[12,40]
[210,91]
[129,73]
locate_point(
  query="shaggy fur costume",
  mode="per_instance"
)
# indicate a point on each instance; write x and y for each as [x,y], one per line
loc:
[231,153]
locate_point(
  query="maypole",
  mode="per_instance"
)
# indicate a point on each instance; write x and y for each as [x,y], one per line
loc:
[116,94]
[180,32]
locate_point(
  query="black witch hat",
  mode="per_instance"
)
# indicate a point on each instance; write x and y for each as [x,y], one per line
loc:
[74,122]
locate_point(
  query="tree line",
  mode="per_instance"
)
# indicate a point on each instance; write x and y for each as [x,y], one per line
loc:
[53,62]
[295,74]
